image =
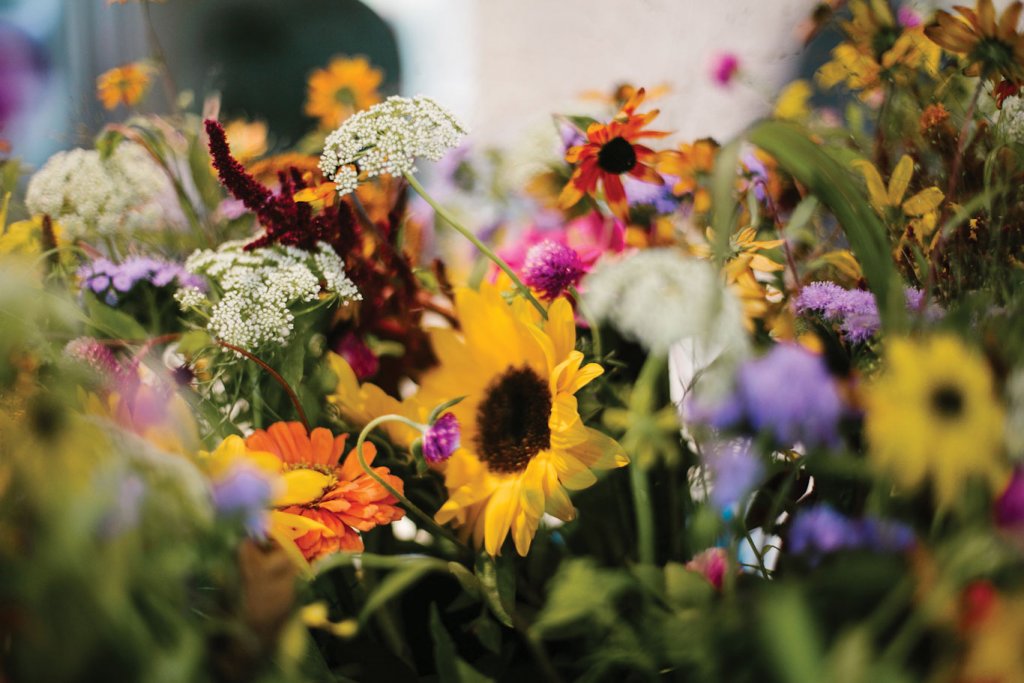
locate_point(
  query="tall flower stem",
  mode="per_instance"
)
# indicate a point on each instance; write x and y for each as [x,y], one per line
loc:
[422,516]
[643,400]
[595,332]
[275,375]
[484,249]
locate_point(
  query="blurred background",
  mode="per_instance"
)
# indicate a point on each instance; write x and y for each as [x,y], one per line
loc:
[503,66]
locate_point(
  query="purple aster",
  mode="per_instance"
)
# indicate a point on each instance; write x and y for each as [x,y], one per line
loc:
[787,393]
[734,470]
[441,439]
[820,530]
[886,535]
[552,267]
[244,492]
[1009,509]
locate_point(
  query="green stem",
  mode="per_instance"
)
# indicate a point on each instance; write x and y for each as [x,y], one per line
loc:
[422,516]
[644,391]
[595,332]
[484,249]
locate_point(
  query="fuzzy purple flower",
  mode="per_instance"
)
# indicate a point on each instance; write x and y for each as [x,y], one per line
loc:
[854,310]
[110,280]
[724,68]
[552,267]
[734,470]
[820,530]
[441,439]
[787,393]
[244,492]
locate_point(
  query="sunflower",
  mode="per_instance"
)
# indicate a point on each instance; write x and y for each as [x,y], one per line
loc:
[320,505]
[123,85]
[933,415]
[610,151]
[992,46]
[343,88]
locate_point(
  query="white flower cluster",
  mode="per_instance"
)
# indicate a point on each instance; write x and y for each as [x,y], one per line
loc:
[661,296]
[387,138]
[257,291]
[90,195]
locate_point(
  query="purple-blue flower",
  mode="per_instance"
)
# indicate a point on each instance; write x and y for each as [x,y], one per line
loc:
[441,439]
[820,530]
[854,310]
[787,393]
[111,280]
[244,492]
[734,470]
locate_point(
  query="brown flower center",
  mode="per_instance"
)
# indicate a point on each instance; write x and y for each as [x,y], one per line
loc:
[617,156]
[948,402]
[512,421]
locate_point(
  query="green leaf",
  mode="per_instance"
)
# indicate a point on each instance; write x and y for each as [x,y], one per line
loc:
[470,584]
[292,366]
[834,185]
[790,636]
[450,667]
[685,589]
[801,216]
[498,588]
[110,322]
[193,342]
[393,585]
[724,207]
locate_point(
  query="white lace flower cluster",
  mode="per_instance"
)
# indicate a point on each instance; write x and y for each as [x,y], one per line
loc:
[387,138]
[1011,120]
[256,292]
[661,296]
[90,195]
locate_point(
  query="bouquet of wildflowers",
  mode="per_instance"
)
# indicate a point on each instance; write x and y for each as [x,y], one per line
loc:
[656,409]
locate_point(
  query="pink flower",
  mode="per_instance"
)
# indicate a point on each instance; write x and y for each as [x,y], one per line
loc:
[358,355]
[551,268]
[724,68]
[908,18]
[711,564]
[591,237]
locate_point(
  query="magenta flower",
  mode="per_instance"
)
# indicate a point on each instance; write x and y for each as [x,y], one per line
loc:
[724,68]
[908,18]
[1009,509]
[711,564]
[590,236]
[551,268]
[441,439]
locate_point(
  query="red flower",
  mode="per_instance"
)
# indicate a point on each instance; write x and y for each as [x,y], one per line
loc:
[610,151]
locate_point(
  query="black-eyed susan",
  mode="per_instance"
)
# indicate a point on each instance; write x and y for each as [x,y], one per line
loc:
[932,416]
[916,216]
[610,151]
[992,45]
[343,88]
[523,441]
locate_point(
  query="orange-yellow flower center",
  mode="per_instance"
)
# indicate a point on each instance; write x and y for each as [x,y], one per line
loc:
[617,156]
[512,421]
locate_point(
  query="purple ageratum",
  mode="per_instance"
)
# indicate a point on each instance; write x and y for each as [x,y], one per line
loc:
[110,280]
[441,439]
[854,310]
[244,492]
[552,267]
[821,530]
[787,393]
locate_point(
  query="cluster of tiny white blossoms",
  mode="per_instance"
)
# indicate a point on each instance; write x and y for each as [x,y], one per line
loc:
[387,138]
[1011,120]
[255,293]
[661,296]
[91,195]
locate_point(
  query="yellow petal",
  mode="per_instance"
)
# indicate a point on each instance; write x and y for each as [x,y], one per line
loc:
[878,196]
[924,201]
[501,509]
[900,179]
[302,486]
[561,327]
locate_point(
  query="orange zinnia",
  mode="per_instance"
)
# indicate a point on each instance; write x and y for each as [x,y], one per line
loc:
[324,504]
[123,85]
[610,151]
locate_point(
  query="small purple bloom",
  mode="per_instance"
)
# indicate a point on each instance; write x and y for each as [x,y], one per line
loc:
[820,530]
[885,535]
[1009,509]
[854,310]
[788,393]
[441,439]
[552,267]
[244,492]
[724,68]
[907,17]
[734,470]
[111,280]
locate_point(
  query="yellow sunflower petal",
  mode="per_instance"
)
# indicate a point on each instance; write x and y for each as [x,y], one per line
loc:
[900,180]
[924,201]
[878,196]
[501,510]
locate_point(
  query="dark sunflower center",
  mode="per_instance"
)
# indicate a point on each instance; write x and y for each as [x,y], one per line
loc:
[512,421]
[993,54]
[617,156]
[948,401]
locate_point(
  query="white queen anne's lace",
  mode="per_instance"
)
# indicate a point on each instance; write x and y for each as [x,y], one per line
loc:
[90,195]
[387,138]
[255,294]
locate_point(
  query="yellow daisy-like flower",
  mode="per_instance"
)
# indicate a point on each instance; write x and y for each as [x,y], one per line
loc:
[792,102]
[247,139]
[523,442]
[125,85]
[343,88]
[692,165]
[919,212]
[991,44]
[932,415]
[524,445]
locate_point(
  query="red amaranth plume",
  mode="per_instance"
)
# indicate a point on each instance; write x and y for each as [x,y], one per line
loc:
[284,220]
